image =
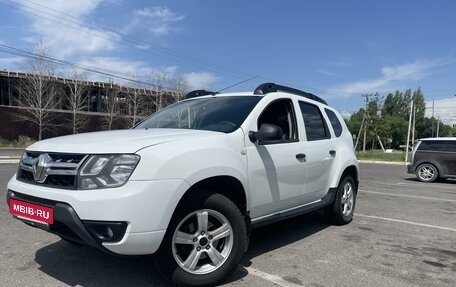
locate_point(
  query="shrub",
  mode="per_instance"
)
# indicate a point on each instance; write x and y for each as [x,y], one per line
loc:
[24,141]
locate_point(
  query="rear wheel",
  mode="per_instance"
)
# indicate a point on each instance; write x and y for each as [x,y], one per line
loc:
[205,241]
[341,211]
[427,172]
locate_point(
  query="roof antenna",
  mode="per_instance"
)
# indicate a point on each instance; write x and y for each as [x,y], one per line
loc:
[241,82]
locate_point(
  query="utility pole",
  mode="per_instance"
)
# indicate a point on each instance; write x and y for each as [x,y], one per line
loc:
[363,126]
[366,101]
[364,138]
[413,126]
[375,130]
[408,132]
[438,125]
[367,117]
[359,133]
[432,130]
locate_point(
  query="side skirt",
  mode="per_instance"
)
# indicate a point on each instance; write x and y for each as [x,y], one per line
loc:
[295,211]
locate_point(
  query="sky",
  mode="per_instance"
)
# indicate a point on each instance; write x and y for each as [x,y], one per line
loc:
[337,50]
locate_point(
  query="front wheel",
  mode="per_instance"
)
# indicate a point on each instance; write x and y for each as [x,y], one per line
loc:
[205,241]
[341,211]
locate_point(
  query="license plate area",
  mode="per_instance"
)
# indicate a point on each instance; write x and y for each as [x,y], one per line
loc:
[31,211]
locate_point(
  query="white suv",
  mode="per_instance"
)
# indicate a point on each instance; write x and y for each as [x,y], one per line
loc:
[189,182]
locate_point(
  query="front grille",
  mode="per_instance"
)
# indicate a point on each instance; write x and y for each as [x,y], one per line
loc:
[25,175]
[56,157]
[62,173]
[61,181]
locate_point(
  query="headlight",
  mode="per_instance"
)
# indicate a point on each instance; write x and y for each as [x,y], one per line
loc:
[103,171]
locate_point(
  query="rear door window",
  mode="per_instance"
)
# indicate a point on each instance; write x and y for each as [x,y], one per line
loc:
[316,127]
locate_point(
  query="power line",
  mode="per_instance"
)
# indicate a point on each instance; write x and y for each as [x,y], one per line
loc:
[171,55]
[23,53]
[135,39]
[109,32]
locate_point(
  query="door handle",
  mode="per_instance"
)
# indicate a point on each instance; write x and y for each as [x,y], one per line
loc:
[332,153]
[301,157]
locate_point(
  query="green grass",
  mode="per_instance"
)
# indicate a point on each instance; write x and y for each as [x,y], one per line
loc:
[381,156]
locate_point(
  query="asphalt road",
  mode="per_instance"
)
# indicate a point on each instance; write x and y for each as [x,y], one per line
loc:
[403,234]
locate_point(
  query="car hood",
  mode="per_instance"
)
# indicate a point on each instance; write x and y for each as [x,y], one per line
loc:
[119,141]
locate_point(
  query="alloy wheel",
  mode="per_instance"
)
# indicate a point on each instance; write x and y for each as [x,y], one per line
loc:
[202,241]
[426,173]
[347,199]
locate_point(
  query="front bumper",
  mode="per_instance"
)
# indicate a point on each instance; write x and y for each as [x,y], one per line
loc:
[143,210]
[67,223]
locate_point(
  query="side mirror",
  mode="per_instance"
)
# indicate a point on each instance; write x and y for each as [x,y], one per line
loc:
[267,133]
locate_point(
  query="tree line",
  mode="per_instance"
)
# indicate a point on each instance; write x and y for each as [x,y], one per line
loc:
[42,96]
[390,119]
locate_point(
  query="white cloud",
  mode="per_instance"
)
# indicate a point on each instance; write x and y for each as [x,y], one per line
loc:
[135,70]
[118,67]
[71,37]
[159,19]
[200,80]
[346,114]
[140,71]
[326,73]
[445,109]
[159,12]
[143,46]
[10,63]
[392,76]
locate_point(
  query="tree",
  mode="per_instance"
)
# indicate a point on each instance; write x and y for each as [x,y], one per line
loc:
[159,80]
[77,101]
[110,105]
[179,89]
[392,123]
[389,105]
[419,104]
[38,90]
[135,101]
[395,129]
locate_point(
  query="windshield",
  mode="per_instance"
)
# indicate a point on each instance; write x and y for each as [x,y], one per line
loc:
[221,114]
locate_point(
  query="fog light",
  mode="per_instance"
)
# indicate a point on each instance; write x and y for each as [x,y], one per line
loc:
[106,231]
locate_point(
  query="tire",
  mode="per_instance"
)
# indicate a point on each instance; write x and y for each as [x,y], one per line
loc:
[208,228]
[341,211]
[427,172]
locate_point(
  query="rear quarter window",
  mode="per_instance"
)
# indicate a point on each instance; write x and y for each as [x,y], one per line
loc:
[335,123]
[441,145]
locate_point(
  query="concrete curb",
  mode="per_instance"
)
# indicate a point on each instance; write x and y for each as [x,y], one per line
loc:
[7,147]
[9,161]
[382,162]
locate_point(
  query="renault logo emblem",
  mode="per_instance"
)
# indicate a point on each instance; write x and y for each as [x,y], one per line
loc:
[41,167]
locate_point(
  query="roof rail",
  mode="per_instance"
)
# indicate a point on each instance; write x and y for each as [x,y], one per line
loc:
[266,88]
[198,93]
